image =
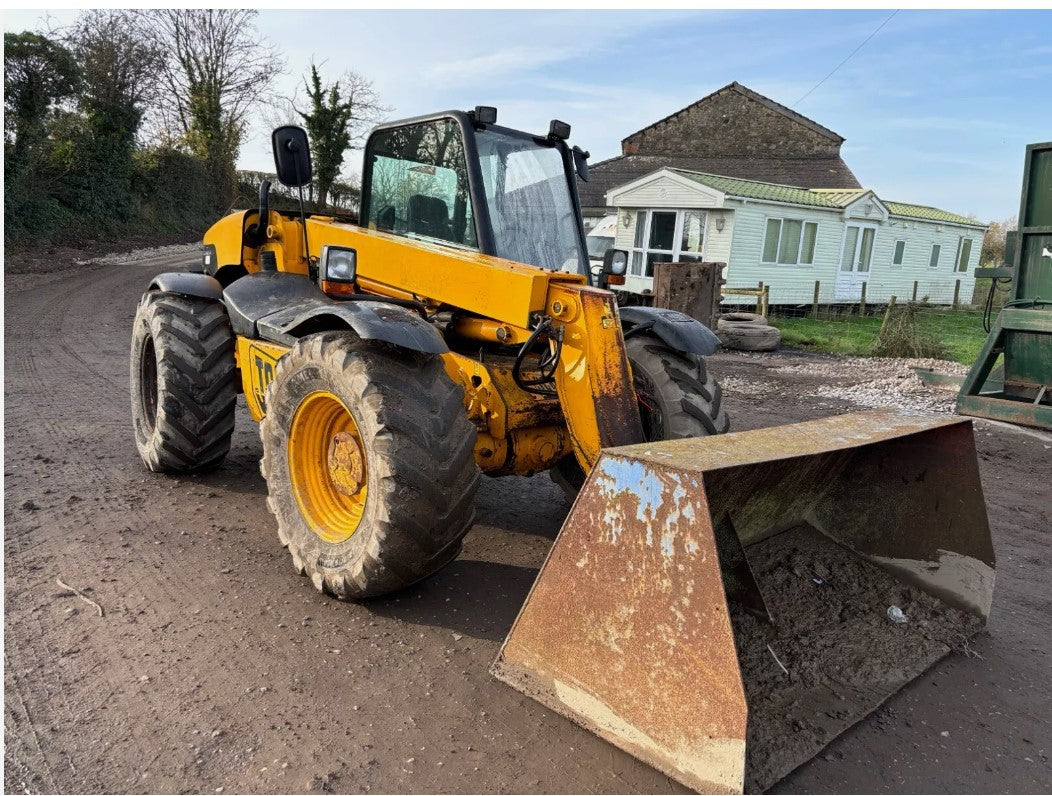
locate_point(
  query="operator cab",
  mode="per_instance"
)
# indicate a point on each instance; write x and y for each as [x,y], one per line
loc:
[459,179]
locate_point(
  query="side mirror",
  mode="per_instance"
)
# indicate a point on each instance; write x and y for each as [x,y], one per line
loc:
[580,162]
[291,156]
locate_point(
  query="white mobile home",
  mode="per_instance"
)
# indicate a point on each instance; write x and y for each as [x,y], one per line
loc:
[789,238]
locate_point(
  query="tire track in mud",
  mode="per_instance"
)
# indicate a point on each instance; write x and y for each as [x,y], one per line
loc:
[68,366]
[45,431]
[44,340]
[220,621]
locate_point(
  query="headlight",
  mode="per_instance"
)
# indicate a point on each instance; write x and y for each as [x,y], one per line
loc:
[338,264]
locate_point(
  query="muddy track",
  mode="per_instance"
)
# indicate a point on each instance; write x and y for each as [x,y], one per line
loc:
[216,667]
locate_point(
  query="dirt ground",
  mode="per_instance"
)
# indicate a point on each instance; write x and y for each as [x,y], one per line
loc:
[215,668]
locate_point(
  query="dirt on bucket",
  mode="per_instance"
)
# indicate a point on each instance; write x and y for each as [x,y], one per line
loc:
[846,635]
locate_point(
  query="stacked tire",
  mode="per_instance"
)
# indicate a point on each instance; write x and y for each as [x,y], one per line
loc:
[747,331]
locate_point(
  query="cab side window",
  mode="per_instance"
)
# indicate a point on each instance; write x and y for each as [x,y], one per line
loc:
[419,184]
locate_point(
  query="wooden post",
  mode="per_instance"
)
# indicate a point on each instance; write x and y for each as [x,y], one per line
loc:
[887,314]
[862,300]
[690,288]
[814,304]
[662,284]
[956,293]
[759,299]
[766,301]
[914,299]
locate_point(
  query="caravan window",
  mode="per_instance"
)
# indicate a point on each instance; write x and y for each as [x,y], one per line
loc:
[790,241]
[667,236]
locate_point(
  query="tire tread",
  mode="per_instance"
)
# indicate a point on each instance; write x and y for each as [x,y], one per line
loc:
[197,383]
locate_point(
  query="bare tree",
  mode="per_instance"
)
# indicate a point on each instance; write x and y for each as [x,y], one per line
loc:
[219,68]
[993,251]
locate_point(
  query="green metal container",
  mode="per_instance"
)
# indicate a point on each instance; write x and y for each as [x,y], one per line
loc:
[1023,331]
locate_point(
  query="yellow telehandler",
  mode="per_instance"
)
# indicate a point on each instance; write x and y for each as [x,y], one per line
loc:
[708,593]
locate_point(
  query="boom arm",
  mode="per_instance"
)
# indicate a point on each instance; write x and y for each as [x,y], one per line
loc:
[463,278]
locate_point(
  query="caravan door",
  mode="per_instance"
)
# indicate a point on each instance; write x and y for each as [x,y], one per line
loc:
[856,255]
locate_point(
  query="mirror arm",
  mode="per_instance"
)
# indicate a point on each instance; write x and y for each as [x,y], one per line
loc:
[580,162]
[303,216]
[257,233]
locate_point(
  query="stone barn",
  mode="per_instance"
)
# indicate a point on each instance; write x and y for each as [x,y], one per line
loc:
[733,132]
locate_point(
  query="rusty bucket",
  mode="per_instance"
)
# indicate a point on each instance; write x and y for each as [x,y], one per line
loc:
[722,608]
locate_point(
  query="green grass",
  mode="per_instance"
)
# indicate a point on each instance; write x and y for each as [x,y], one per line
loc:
[961,332]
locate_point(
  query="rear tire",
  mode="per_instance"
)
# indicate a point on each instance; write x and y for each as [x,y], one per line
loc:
[403,514]
[183,383]
[678,398]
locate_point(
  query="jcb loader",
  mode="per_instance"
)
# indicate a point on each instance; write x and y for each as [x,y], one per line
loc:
[706,587]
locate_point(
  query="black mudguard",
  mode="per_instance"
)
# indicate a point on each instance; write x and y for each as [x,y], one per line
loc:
[187,284]
[280,307]
[678,331]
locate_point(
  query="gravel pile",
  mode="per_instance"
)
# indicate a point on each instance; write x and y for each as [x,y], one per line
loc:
[740,386]
[120,258]
[870,382]
[892,393]
[863,367]
[875,383]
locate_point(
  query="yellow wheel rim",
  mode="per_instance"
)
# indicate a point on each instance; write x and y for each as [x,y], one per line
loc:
[327,467]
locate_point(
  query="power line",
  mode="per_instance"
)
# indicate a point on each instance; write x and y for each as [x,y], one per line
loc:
[835,68]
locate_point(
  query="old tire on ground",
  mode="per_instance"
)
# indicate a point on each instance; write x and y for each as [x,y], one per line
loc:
[369,461]
[183,382]
[750,337]
[737,318]
[678,398]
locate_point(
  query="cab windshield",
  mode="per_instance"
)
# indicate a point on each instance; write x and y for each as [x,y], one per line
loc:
[530,205]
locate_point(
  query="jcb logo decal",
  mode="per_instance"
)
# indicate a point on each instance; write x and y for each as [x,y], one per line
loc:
[263,365]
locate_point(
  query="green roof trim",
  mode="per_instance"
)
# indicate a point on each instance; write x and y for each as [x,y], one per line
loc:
[827,198]
[750,189]
[929,214]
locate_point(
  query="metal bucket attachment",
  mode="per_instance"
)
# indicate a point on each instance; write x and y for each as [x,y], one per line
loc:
[723,607]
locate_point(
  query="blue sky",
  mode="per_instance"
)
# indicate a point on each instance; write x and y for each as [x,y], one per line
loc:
[936,108]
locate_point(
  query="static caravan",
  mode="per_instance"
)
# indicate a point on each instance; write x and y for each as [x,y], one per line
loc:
[789,238]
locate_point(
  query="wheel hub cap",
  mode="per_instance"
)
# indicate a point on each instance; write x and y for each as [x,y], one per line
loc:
[346,467]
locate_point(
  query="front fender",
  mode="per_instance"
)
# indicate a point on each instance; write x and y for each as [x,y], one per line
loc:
[187,284]
[678,331]
[282,307]
[372,320]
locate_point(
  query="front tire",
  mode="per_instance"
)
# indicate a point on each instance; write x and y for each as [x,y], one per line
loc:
[369,460]
[183,383]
